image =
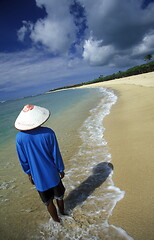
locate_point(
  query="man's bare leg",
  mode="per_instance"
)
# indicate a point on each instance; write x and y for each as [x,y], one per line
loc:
[60,204]
[53,211]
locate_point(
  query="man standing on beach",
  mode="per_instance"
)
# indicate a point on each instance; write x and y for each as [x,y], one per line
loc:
[40,157]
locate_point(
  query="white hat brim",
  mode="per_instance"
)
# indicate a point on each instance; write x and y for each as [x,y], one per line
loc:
[31,117]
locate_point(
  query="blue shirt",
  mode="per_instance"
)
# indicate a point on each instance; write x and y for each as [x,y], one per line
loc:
[40,156]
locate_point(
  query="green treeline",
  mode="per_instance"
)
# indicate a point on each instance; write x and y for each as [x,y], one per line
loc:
[144,68]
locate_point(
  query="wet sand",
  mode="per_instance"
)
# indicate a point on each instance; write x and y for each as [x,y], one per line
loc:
[130,136]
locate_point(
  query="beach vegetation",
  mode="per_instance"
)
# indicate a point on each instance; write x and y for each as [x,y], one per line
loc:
[148,57]
[144,68]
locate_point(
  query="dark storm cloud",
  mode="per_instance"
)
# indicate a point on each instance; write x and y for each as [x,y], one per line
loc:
[120,26]
[65,37]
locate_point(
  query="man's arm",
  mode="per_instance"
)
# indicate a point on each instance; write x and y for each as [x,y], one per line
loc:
[30,179]
[57,157]
[62,175]
[24,162]
[22,158]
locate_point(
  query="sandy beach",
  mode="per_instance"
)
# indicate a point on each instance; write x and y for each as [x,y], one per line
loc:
[130,136]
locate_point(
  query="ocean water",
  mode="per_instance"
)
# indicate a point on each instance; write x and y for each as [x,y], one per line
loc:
[77,118]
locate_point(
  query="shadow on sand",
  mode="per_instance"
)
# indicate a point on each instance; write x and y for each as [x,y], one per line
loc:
[86,188]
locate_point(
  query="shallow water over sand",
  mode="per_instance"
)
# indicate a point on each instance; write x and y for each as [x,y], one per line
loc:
[90,192]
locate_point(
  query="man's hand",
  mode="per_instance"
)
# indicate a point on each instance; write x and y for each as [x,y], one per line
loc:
[62,174]
[30,179]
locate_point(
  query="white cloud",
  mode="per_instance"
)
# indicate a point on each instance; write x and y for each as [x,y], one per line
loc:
[56,31]
[146,46]
[118,36]
[118,28]
[24,30]
[31,72]
[115,28]
[21,33]
[97,54]
[53,35]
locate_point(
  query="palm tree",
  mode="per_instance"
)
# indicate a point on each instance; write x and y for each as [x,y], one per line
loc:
[148,57]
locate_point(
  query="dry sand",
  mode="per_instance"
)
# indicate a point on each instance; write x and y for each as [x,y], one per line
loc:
[130,136]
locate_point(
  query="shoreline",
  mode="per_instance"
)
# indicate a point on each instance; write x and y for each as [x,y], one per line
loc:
[130,136]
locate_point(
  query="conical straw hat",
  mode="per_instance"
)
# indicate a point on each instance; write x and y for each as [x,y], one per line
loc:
[31,117]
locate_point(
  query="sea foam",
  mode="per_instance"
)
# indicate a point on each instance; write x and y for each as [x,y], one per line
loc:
[91,195]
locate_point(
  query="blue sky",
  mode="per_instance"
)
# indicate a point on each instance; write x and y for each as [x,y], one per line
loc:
[45,44]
